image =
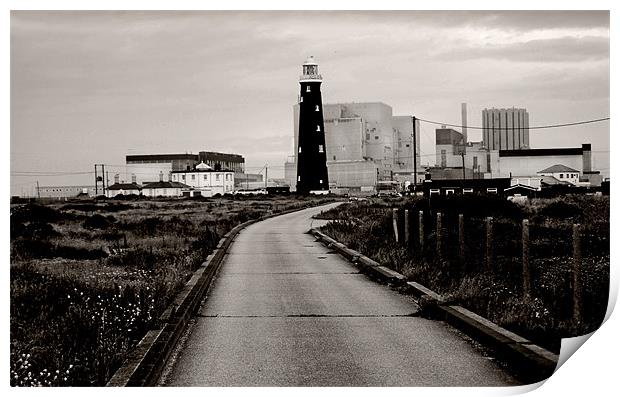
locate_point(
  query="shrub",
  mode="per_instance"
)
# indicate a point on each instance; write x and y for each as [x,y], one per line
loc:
[97,221]
[34,213]
[561,209]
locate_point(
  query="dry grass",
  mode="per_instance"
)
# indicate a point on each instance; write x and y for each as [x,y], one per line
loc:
[77,311]
[498,295]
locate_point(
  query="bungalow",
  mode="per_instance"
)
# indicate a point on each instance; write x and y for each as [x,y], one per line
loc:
[164,189]
[124,188]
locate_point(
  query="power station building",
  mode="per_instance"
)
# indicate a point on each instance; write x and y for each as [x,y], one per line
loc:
[365,145]
[457,159]
[504,129]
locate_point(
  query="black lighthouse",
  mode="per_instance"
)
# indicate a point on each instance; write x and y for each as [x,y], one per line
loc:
[311,152]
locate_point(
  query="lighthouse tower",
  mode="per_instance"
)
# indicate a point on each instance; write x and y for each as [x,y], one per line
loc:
[311,153]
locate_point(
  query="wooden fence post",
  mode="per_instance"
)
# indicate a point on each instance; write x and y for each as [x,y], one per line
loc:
[395,223]
[527,283]
[489,246]
[406,231]
[577,287]
[462,239]
[438,233]
[421,230]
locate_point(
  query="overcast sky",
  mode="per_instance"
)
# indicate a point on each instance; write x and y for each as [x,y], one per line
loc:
[92,87]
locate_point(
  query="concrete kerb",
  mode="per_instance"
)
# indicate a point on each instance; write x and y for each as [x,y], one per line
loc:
[143,366]
[530,362]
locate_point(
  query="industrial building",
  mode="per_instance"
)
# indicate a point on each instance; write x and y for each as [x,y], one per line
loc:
[59,192]
[148,166]
[456,158]
[365,144]
[493,158]
[453,154]
[505,129]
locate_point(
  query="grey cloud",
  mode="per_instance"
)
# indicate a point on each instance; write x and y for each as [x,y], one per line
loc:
[564,49]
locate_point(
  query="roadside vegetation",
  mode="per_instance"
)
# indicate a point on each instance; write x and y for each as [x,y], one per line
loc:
[497,294]
[90,277]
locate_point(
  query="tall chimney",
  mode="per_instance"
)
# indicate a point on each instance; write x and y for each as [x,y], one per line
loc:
[116,176]
[161,176]
[133,178]
[586,157]
[464,121]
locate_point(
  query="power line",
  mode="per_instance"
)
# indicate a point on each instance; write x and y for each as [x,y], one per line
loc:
[46,173]
[540,127]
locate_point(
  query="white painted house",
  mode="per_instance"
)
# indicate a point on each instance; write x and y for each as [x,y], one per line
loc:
[124,189]
[562,173]
[205,181]
[164,189]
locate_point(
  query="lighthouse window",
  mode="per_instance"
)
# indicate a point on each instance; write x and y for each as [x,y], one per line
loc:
[320,181]
[318,128]
[320,148]
[307,88]
[301,99]
[316,109]
[298,178]
[300,149]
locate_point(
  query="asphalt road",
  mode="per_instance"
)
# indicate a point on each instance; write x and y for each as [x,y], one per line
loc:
[285,311]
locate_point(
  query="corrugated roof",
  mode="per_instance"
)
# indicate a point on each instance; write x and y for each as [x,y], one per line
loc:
[558,168]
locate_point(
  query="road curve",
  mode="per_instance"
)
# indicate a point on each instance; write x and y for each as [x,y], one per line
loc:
[285,311]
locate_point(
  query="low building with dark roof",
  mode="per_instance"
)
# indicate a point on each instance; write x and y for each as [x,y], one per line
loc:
[124,188]
[164,189]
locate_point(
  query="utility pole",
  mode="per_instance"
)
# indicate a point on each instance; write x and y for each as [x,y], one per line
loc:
[103,178]
[96,184]
[415,165]
[265,176]
[38,191]
[463,159]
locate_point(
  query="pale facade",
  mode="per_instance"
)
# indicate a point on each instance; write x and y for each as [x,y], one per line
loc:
[506,129]
[164,189]
[65,191]
[206,180]
[364,144]
[530,162]
[404,144]
[452,152]
[562,173]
